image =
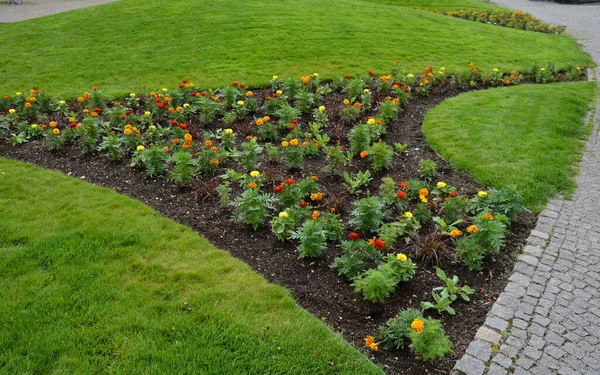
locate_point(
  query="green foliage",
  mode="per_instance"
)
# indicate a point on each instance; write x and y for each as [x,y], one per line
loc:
[395,331]
[488,238]
[183,166]
[293,155]
[455,208]
[357,254]
[422,213]
[388,111]
[112,143]
[249,154]
[432,343]
[361,136]
[452,287]
[376,284]
[336,159]
[427,169]
[381,154]
[368,213]
[505,200]
[442,303]
[354,185]
[252,207]
[283,225]
[313,239]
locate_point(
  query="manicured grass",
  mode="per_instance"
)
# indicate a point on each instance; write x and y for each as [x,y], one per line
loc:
[94,282]
[145,45]
[528,135]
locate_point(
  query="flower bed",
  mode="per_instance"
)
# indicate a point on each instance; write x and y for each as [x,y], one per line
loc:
[331,189]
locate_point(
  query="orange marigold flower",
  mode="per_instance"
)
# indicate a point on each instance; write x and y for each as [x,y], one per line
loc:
[214,162]
[171,109]
[207,143]
[266,119]
[315,215]
[214,149]
[316,196]
[86,111]
[356,105]
[52,124]
[314,178]
[401,195]
[259,122]
[127,131]
[424,192]
[249,137]
[294,142]
[56,131]
[289,181]
[86,95]
[166,149]
[456,233]
[186,145]
[176,141]
[94,87]
[80,99]
[488,216]
[94,114]
[403,184]
[346,101]
[252,185]
[364,154]
[369,341]
[27,105]
[417,325]
[472,229]
[453,194]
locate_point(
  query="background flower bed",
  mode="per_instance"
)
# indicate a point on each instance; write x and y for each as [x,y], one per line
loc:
[313,283]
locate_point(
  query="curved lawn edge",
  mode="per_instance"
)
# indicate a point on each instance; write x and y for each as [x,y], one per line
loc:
[530,136]
[90,279]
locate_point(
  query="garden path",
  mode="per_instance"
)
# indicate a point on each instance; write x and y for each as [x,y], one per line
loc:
[547,321]
[40,8]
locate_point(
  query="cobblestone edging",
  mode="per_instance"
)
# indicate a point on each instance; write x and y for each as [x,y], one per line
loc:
[547,320]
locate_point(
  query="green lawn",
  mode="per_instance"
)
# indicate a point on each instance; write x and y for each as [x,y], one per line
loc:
[528,135]
[93,282]
[126,45]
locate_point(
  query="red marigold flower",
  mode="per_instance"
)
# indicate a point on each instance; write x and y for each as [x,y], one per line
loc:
[371,73]
[173,122]
[128,112]
[289,181]
[403,184]
[354,236]
[242,85]
[291,128]
[73,125]
[183,126]
[402,195]
[122,117]
[294,122]
[347,76]
[453,194]
[303,204]
[380,244]
[276,95]
[279,188]
[407,90]
[234,83]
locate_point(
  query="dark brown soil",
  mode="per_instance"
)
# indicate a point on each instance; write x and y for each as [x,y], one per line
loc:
[314,285]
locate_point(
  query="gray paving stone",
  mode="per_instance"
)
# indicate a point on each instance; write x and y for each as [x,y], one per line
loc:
[470,366]
[496,323]
[480,349]
[502,360]
[489,335]
[496,370]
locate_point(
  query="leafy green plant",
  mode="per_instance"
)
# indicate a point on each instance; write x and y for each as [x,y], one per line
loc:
[252,207]
[313,239]
[357,254]
[368,213]
[381,154]
[427,169]
[112,143]
[376,284]
[395,331]
[292,153]
[442,303]
[335,158]
[354,185]
[432,343]
[452,286]
[183,166]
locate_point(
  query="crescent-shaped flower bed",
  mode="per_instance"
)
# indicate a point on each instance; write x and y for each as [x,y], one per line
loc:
[327,188]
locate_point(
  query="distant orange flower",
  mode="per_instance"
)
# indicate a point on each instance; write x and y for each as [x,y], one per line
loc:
[356,105]
[472,229]
[488,216]
[424,192]
[252,185]
[208,143]
[166,149]
[186,145]
[364,154]
[315,215]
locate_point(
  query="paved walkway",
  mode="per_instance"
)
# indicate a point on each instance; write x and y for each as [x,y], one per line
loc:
[547,321]
[40,8]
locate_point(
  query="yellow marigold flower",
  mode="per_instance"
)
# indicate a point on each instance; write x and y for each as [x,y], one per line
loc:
[482,194]
[266,119]
[495,70]
[346,101]
[12,111]
[152,127]
[240,102]
[472,229]
[185,105]
[228,131]
[294,142]
[164,89]
[441,184]
[140,148]
[366,91]
[542,69]
[33,126]
[410,75]
[192,84]
[275,77]
[62,102]
[214,162]
[52,124]
[316,74]
[255,173]
[374,347]
[283,214]
[127,131]
[322,108]
[279,92]
[56,131]
[165,149]
[147,113]
[371,121]
[401,257]
[408,214]
[417,325]
[422,198]
[316,196]
[259,122]
[488,216]
[132,95]
[249,93]
[456,233]
[285,144]
[19,93]
[252,185]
